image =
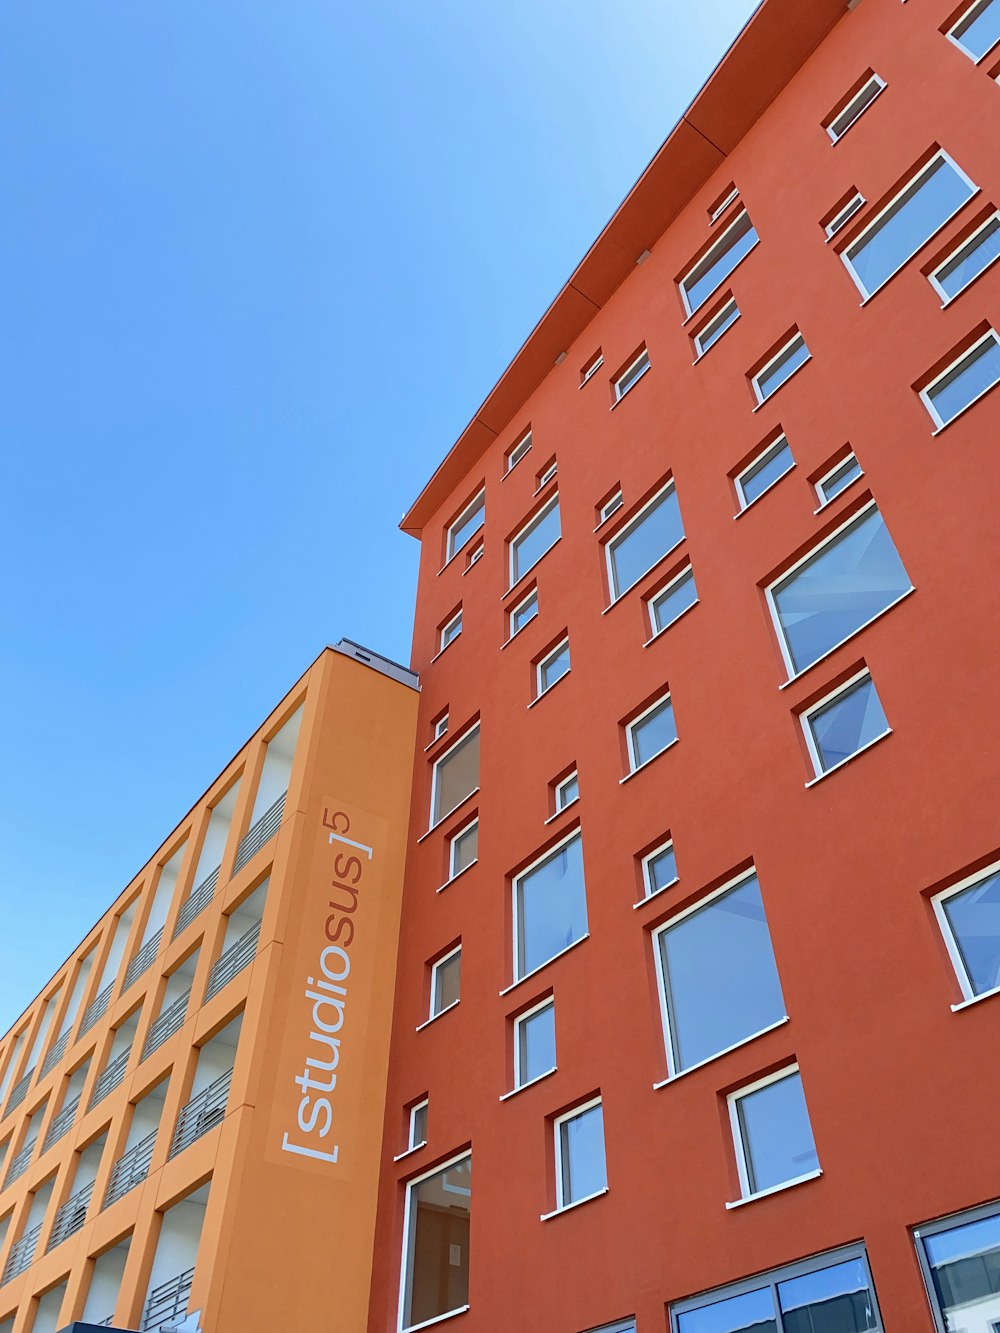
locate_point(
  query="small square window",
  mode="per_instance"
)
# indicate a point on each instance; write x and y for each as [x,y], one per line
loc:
[546,474]
[964,382]
[843,215]
[978,30]
[729,195]
[581,1172]
[838,479]
[591,368]
[440,726]
[450,631]
[769,379]
[771,1132]
[973,256]
[651,733]
[969,916]
[552,668]
[609,507]
[671,602]
[712,331]
[523,612]
[567,791]
[844,723]
[445,982]
[631,375]
[765,470]
[659,869]
[519,450]
[463,849]
[467,524]
[856,106]
[535,1043]
[475,555]
[417,1136]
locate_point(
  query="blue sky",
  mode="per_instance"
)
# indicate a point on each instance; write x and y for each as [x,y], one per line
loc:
[260,264]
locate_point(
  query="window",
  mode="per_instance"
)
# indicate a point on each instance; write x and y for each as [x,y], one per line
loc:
[546,474]
[907,222]
[567,791]
[978,30]
[450,631]
[678,596]
[550,906]
[535,1043]
[711,332]
[844,723]
[456,776]
[965,264]
[468,522]
[718,979]
[610,507]
[964,382]
[534,539]
[435,1277]
[417,1135]
[475,554]
[715,266]
[634,372]
[651,733]
[837,589]
[440,726]
[644,541]
[843,215]
[766,469]
[591,368]
[464,849]
[769,379]
[722,203]
[659,869]
[969,916]
[772,1135]
[523,612]
[446,976]
[838,479]
[581,1172]
[515,455]
[831,1292]
[960,1261]
[552,667]
[856,106]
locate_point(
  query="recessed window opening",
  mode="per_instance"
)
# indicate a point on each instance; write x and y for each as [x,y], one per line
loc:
[467,524]
[715,266]
[843,215]
[463,850]
[712,331]
[652,732]
[416,1135]
[525,611]
[581,1171]
[446,975]
[772,1134]
[769,379]
[844,723]
[659,869]
[553,666]
[609,507]
[631,375]
[537,537]
[968,914]
[567,791]
[435,1268]
[519,450]
[475,555]
[973,257]
[729,194]
[958,1261]
[964,382]
[546,474]
[857,105]
[978,30]
[441,726]
[450,631]
[535,1043]
[550,906]
[644,541]
[670,603]
[455,775]
[591,368]
[764,472]
[838,479]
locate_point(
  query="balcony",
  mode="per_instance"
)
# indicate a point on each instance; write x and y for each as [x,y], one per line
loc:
[19,1091]
[197,900]
[61,1124]
[168,1302]
[97,1008]
[19,1163]
[21,1255]
[169,1022]
[55,1055]
[130,1170]
[143,960]
[234,960]
[201,1114]
[110,1079]
[265,827]
[71,1216]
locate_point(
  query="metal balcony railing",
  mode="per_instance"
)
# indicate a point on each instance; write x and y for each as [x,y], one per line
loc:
[197,900]
[143,960]
[97,1008]
[130,1170]
[71,1216]
[19,1091]
[61,1124]
[20,1162]
[110,1079]
[169,1022]
[167,1302]
[21,1255]
[201,1114]
[234,960]
[258,833]
[55,1055]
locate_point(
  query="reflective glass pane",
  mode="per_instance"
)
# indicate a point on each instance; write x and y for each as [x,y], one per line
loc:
[675,601]
[551,906]
[752,1312]
[973,375]
[525,612]
[720,976]
[839,589]
[777,1137]
[974,917]
[532,544]
[965,1271]
[638,367]
[567,792]
[437,1257]
[837,1299]
[653,733]
[418,1125]
[447,980]
[855,107]
[536,1044]
[661,870]
[924,207]
[980,32]
[716,327]
[847,724]
[464,849]
[471,521]
[712,271]
[771,379]
[553,668]
[646,540]
[456,776]
[973,257]
[451,631]
[756,480]
[581,1147]
[838,481]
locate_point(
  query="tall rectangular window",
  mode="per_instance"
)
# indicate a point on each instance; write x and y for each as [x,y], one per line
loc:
[534,539]
[856,106]
[535,1043]
[581,1171]
[550,906]
[435,1277]
[644,541]
[718,979]
[960,1260]
[921,208]
[772,1134]
[969,916]
[651,733]
[417,1131]
[978,30]
[964,382]
[844,723]
[973,256]
[455,776]
[769,379]
[464,849]
[765,470]
[715,266]
[446,978]
[841,586]
[469,521]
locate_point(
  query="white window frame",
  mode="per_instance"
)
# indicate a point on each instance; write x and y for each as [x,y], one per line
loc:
[519,1080]
[710,325]
[445,641]
[434,774]
[404,1273]
[990,335]
[619,391]
[880,86]
[517,452]
[648,891]
[634,767]
[858,242]
[613,542]
[969,994]
[560,786]
[610,506]
[777,445]
[591,369]
[717,249]
[662,593]
[522,532]
[992,221]
[545,477]
[824,500]
[476,554]
[441,727]
[843,215]
[451,549]
[435,968]
[978,5]
[512,632]
[458,834]
[543,662]
[557,1124]
[514,884]
[721,207]
[762,398]
[413,1144]
[739,1143]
